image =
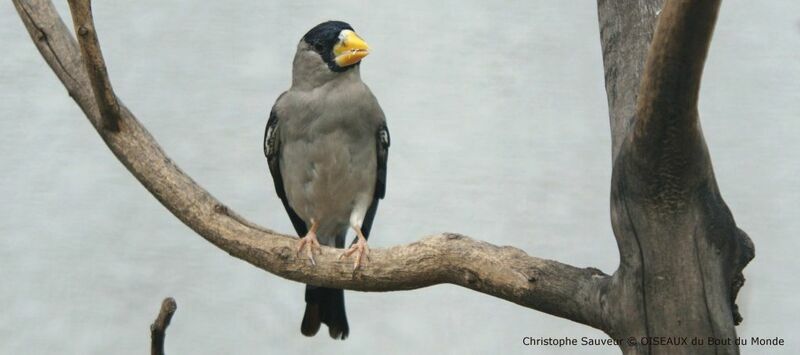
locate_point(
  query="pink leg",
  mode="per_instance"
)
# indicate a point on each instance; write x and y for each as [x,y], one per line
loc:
[360,248]
[310,239]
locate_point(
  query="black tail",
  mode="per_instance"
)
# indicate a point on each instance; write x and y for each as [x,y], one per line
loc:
[325,305]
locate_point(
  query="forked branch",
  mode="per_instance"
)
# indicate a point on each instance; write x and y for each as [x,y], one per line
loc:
[95,65]
[504,272]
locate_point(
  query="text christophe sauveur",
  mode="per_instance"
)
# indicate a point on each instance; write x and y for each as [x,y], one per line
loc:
[652,341]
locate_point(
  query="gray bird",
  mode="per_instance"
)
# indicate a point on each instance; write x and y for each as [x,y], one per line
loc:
[327,144]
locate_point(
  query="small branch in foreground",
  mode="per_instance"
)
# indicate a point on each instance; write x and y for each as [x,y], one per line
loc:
[159,327]
[94,63]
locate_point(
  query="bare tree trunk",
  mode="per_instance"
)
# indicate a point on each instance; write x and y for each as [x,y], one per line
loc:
[681,254]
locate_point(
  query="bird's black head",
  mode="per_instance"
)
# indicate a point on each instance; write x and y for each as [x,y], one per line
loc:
[338,45]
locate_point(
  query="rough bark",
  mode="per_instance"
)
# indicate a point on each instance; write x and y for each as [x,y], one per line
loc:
[681,254]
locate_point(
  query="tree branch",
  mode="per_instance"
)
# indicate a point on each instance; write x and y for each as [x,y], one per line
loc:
[667,157]
[159,327]
[671,80]
[626,28]
[503,272]
[95,65]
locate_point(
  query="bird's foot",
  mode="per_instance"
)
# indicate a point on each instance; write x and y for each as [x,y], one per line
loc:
[313,246]
[361,249]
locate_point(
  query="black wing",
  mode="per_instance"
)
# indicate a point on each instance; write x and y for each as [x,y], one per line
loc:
[272,148]
[383,141]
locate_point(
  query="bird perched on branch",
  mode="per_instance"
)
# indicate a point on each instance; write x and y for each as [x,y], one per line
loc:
[327,144]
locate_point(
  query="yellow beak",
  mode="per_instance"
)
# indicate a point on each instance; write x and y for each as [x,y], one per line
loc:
[350,49]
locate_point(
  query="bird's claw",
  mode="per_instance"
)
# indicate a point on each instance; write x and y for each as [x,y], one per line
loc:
[313,246]
[362,250]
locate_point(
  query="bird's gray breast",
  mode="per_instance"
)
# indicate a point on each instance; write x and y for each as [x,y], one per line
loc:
[328,155]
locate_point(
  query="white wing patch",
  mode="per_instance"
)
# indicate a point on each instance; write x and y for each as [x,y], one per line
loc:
[269,141]
[384,135]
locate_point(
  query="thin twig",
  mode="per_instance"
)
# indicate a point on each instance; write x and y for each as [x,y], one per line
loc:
[159,327]
[94,63]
